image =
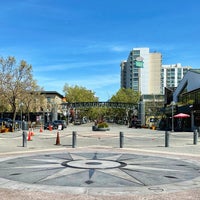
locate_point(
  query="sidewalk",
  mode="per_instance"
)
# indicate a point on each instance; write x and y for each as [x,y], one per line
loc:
[145,150]
[137,139]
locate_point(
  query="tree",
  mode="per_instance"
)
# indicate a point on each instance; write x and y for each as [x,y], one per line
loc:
[16,82]
[34,101]
[125,96]
[80,94]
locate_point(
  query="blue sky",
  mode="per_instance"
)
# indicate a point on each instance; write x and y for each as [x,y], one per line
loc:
[82,42]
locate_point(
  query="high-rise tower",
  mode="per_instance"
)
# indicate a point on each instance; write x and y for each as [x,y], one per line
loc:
[172,75]
[142,71]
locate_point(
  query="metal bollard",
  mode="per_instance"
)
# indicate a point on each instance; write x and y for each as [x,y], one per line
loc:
[166,139]
[195,137]
[74,139]
[121,139]
[24,139]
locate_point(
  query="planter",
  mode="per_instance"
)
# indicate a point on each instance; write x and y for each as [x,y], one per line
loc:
[7,130]
[3,130]
[95,128]
[103,129]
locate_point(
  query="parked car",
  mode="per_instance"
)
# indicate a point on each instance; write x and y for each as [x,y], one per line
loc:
[60,122]
[2,122]
[135,124]
[8,122]
[138,124]
[49,124]
[77,122]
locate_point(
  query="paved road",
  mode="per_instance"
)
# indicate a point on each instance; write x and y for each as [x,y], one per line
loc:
[97,168]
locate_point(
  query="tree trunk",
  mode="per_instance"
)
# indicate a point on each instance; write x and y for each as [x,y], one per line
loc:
[14,116]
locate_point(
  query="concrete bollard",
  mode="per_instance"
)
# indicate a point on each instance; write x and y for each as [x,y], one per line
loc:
[24,139]
[121,139]
[166,139]
[195,137]
[74,139]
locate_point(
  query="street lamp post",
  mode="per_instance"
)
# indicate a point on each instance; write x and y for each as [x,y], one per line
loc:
[192,117]
[173,104]
[65,112]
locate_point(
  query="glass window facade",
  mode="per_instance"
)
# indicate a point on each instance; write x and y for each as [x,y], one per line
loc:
[190,97]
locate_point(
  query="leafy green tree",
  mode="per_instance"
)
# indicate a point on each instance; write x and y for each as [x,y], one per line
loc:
[81,94]
[125,96]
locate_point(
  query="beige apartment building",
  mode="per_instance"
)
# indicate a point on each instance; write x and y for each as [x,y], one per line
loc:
[142,71]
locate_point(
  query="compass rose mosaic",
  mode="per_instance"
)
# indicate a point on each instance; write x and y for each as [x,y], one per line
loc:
[97,170]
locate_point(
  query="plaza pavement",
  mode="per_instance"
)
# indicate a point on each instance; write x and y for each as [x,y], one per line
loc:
[165,172]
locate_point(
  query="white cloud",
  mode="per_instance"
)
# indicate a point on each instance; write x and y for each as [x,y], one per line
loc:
[107,46]
[98,81]
[120,48]
[73,65]
[95,83]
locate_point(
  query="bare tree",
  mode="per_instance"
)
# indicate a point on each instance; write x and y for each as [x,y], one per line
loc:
[16,82]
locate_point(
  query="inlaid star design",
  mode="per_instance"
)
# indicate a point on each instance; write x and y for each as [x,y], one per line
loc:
[97,170]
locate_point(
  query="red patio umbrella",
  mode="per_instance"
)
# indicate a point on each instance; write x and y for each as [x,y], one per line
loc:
[181,115]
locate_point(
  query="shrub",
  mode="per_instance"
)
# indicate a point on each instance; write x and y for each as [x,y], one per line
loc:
[102,125]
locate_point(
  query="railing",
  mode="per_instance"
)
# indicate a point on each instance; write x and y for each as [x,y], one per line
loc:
[100,104]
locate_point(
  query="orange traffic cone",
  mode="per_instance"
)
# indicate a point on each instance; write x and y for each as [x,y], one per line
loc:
[32,133]
[29,136]
[58,139]
[41,129]
[50,128]
[29,132]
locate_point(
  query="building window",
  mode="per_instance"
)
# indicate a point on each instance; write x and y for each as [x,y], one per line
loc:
[49,99]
